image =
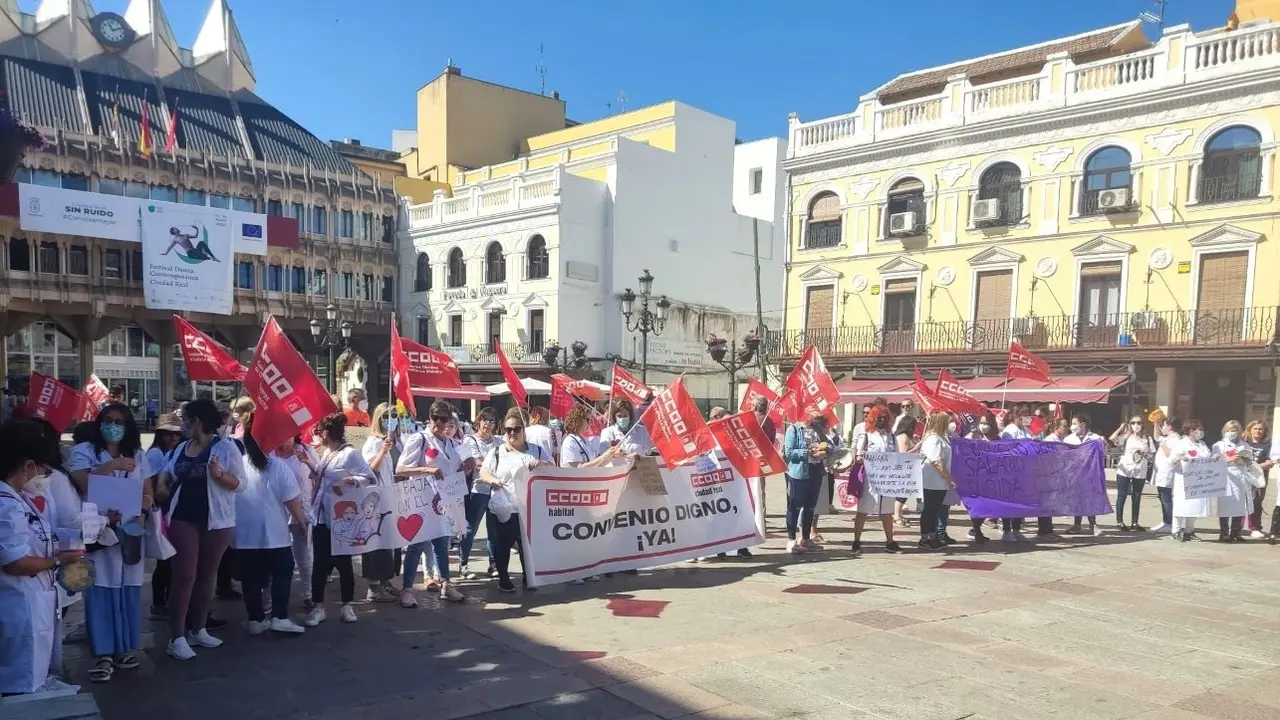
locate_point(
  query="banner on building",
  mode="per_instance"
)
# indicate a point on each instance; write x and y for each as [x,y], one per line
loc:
[578,522]
[249,232]
[52,400]
[1029,478]
[187,258]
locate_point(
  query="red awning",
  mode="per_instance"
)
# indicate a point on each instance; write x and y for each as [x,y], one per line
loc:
[856,390]
[1064,388]
[466,392]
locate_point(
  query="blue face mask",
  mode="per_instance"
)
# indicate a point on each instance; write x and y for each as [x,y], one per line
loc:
[624,423]
[390,424]
[112,432]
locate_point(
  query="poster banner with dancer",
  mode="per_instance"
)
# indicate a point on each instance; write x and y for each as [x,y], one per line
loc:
[578,522]
[1029,478]
[187,258]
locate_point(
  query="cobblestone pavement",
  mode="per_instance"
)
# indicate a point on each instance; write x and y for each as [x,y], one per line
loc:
[1120,626]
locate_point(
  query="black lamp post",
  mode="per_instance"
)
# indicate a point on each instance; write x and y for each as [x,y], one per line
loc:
[330,336]
[646,321]
[728,356]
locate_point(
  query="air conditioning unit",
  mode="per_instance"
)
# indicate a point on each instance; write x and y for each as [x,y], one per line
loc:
[1113,200]
[1024,326]
[985,210]
[1145,320]
[902,224]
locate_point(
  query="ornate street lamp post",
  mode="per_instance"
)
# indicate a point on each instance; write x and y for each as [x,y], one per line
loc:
[646,321]
[329,336]
[728,356]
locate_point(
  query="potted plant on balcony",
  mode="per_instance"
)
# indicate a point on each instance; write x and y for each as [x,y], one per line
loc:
[579,349]
[551,352]
[15,140]
[717,346]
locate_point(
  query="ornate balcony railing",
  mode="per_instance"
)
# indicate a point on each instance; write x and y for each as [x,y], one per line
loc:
[1142,329]
[486,353]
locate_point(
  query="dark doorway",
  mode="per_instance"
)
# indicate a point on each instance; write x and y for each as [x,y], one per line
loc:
[1219,396]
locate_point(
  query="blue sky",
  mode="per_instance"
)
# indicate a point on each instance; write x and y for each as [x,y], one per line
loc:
[351,68]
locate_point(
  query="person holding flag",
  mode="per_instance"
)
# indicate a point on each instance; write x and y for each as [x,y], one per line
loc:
[628,438]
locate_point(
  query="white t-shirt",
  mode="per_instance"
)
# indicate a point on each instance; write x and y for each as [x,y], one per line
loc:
[110,570]
[302,474]
[542,436]
[509,466]
[1166,466]
[342,463]
[637,442]
[158,459]
[935,449]
[385,469]
[1013,432]
[577,449]
[1135,447]
[1074,439]
[479,448]
[262,520]
[447,454]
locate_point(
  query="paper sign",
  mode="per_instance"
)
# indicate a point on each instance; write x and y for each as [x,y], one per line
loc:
[122,494]
[420,515]
[895,475]
[1204,477]
[649,474]
[360,521]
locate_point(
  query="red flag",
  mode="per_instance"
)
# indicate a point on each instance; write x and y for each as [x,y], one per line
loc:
[598,423]
[815,390]
[1025,364]
[561,401]
[924,397]
[743,442]
[628,386]
[206,360]
[757,389]
[171,135]
[676,426]
[419,371]
[144,131]
[52,400]
[287,395]
[399,367]
[518,393]
[954,398]
[95,395]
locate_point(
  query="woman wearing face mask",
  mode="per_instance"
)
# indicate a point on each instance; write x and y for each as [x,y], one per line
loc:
[1162,478]
[341,466]
[985,429]
[167,436]
[302,461]
[478,447]
[441,459]
[202,479]
[381,451]
[1017,429]
[500,470]
[1080,435]
[937,479]
[1186,510]
[1137,449]
[113,606]
[1258,438]
[876,439]
[1238,502]
[628,438]
[28,562]
[579,451]
[241,409]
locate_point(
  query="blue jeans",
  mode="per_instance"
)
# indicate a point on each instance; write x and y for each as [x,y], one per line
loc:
[1166,504]
[802,496]
[414,553]
[477,507]
[1127,487]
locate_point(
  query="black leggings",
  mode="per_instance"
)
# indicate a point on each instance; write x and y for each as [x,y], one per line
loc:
[160,579]
[325,563]
[932,508]
[502,537]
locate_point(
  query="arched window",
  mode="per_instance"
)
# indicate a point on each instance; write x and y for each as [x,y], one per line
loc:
[422,274]
[538,260]
[1106,169]
[495,264]
[457,269]
[1232,167]
[1002,182]
[824,221]
[906,196]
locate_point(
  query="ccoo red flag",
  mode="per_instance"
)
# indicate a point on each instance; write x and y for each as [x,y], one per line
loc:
[206,360]
[628,386]
[518,393]
[287,395]
[756,389]
[815,391]
[954,399]
[743,442]
[676,426]
[561,401]
[1025,364]
[95,395]
[419,371]
[52,400]
[924,397]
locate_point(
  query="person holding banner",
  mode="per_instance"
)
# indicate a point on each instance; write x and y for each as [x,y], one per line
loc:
[579,451]
[477,445]
[1169,436]
[381,449]
[1237,504]
[1186,510]
[341,466]
[876,439]
[502,469]
[936,478]
[1080,434]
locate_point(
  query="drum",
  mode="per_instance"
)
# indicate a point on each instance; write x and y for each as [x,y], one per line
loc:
[76,576]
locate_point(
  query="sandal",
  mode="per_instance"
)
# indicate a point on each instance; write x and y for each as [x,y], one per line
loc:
[102,670]
[127,661]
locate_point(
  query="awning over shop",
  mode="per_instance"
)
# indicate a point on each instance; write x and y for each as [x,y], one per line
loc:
[1065,388]
[466,392]
[858,390]
[533,386]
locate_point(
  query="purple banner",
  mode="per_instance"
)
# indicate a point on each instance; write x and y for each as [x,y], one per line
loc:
[1029,478]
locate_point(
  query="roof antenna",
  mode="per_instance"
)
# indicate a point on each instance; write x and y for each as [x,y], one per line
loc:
[541,69]
[1155,18]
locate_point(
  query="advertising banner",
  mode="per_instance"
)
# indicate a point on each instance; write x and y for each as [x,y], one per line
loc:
[187,258]
[578,522]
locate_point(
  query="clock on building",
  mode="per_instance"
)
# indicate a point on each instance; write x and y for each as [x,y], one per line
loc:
[111,30]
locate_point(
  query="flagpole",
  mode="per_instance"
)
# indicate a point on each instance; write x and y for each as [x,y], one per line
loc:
[391,376]
[1004,390]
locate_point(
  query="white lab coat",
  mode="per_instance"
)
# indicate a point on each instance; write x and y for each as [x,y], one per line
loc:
[1183,508]
[28,605]
[1238,501]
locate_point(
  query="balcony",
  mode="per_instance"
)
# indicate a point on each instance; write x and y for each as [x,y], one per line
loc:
[486,199]
[486,353]
[1137,331]
[1180,58]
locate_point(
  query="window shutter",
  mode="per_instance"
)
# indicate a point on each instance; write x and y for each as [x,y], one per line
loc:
[995,293]
[819,306]
[826,207]
[1222,284]
[900,285]
[1099,269]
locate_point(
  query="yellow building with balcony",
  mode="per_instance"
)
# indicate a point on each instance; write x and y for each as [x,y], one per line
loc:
[1104,200]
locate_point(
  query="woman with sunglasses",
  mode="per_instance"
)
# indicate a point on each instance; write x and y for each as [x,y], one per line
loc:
[444,462]
[478,446]
[1137,449]
[502,468]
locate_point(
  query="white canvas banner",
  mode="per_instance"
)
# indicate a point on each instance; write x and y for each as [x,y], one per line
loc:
[187,258]
[75,212]
[578,522]
[360,520]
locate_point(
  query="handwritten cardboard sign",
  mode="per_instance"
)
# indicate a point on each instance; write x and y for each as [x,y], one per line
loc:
[895,475]
[648,473]
[1204,477]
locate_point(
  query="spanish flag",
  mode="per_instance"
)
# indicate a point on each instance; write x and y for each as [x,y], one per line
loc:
[144,134]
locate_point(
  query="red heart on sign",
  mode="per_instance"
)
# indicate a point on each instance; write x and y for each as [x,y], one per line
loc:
[432,453]
[1191,453]
[409,526]
[38,501]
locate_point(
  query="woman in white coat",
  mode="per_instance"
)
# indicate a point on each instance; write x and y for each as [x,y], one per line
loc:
[1168,437]
[1185,510]
[1238,502]
[113,606]
[876,439]
[381,450]
[28,562]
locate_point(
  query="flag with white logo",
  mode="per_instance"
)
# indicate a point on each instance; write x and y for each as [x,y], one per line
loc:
[676,426]
[287,396]
[206,360]
[743,442]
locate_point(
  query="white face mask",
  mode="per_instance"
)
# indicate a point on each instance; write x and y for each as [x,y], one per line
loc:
[951,428]
[363,405]
[38,484]
[983,427]
[1197,435]
[235,417]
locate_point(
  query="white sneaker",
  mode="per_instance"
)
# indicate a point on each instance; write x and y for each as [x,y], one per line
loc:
[53,687]
[579,581]
[407,600]
[464,573]
[795,548]
[315,617]
[1257,535]
[1094,531]
[285,625]
[593,578]
[257,627]
[180,649]
[1009,537]
[203,639]
[348,614]
[1159,528]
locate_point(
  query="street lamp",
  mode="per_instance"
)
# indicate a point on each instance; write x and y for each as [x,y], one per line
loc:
[728,356]
[646,321]
[329,336]
[558,357]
